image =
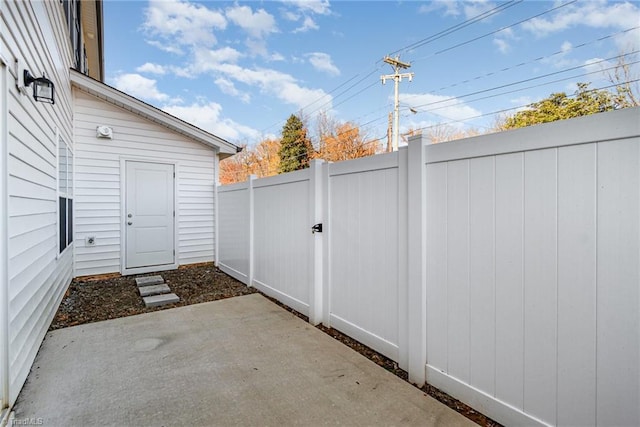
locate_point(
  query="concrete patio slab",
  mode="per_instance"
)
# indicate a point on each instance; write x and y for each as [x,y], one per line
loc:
[239,361]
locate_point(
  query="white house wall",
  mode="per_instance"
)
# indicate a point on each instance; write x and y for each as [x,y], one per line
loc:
[34,36]
[98,174]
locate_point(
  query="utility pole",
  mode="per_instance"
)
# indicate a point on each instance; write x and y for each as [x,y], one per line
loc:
[397,78]
[389,128]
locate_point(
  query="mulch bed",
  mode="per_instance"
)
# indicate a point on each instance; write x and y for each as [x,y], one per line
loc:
[109,297]
[102,298]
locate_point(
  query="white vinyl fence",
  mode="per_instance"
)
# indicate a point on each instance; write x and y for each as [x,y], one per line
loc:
[503,269]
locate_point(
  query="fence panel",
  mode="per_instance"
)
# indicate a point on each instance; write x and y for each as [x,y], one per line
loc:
[363,237]
[617,275]
[283,239]
[503,269]
[233,230]
[532,272]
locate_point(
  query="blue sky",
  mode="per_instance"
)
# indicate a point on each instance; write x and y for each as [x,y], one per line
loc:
[239,69]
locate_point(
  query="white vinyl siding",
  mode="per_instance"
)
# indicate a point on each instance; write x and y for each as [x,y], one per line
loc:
[37,277]
[97,199]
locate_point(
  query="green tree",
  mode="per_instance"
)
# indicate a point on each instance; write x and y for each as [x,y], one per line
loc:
[559,106]
[295,146]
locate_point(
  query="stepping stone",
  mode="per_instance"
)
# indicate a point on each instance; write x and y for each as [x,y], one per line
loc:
[146,291]
[149,281]
[157,300]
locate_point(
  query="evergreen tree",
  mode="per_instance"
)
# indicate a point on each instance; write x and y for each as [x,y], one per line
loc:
[295,147]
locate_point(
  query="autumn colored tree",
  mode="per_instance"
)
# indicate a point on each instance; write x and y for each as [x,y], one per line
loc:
[261,160]
[341,141]
[236,168]
[295,146]
[265,158]
[345,142]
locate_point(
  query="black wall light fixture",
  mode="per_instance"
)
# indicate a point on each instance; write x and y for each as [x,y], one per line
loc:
[43,88]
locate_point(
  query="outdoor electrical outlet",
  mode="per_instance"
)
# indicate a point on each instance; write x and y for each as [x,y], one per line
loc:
[90,241]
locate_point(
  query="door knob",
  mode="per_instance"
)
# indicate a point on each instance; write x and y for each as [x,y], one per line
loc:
[129,222]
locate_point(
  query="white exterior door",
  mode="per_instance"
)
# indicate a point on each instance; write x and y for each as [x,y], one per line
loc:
[149,214]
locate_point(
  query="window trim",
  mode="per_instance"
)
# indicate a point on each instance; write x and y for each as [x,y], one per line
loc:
[67,195]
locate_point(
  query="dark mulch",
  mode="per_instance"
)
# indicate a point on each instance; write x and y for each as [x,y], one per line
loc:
[101,298]
[94,299]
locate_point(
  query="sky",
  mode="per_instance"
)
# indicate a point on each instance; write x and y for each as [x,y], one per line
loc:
[240,69]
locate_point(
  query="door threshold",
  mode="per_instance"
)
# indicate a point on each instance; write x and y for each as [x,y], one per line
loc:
[150,269]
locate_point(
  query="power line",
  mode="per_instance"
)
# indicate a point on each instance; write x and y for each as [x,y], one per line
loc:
[280,122]
[541,58]
[491,73]
[351,96]
[438,35]
[532,79]
[432,110]
[272,170]
[493,113]
[495,31]
[381,118]
[243,174]
[500,8]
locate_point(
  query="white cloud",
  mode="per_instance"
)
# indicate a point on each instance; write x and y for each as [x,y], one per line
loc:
[227,87]
[501,40]
[195,29]
[275,56]
[444,106]
[207,59]
[283,86]
[595,65]
[166,47]
[474,8]
[503,45]
[506,33]
[521,100]
[148,67]
[183,23]
[207,117]
[595,14]
[257,47]
[257,24]
[307,25]
[450,7]
[469,9]
[322,62]
[139,86]
[319,7]
[290,16]
[561,58]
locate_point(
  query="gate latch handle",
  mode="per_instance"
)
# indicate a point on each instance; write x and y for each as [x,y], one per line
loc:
[317,227]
